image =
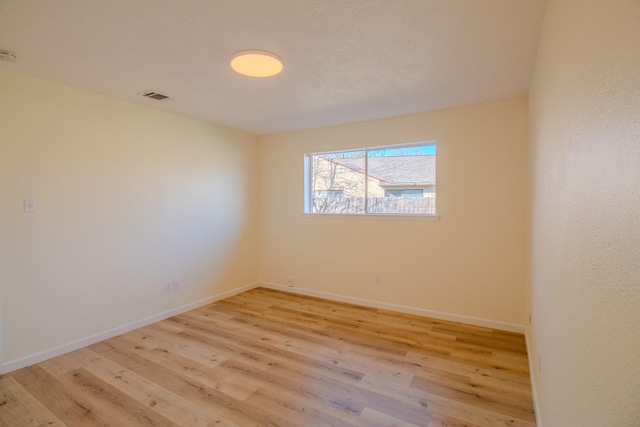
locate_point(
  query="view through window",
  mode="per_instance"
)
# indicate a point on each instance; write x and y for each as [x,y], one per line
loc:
[390,180]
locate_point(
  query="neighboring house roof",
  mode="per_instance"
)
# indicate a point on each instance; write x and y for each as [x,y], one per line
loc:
[397,171]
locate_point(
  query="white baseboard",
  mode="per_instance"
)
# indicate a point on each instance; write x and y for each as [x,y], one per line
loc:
[493,324]
[66,348]
[532,378]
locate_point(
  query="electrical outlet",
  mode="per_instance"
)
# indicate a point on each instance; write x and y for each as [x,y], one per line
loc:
[378,281]
[167,286]
[176,285]
[290,282]
[29,205]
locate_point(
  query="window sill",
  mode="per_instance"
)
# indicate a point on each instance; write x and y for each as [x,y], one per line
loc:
[374,217]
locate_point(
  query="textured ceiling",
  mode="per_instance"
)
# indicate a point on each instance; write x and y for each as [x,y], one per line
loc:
[345,60]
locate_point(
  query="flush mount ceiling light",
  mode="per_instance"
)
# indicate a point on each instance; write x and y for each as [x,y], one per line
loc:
[256,63]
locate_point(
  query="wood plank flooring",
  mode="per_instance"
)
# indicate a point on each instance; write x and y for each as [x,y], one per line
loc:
[271,358]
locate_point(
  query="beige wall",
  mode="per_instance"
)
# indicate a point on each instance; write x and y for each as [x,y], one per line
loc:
[127,198]
[471,262]
[585,137]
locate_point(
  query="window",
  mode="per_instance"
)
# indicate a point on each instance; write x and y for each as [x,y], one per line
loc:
[329,194]
[390,180]
[410,192]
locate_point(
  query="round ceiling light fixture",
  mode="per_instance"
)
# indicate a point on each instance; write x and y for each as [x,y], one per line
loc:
[256,63]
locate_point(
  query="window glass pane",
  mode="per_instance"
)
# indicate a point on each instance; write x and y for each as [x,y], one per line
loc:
[401,180]
[392,180]
[337,182]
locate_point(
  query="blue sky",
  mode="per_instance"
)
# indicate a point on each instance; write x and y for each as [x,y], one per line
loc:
[423,150]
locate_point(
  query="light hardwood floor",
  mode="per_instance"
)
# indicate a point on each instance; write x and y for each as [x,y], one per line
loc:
[270,358]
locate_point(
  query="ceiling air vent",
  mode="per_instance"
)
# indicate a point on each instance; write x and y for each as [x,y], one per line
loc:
[156,95]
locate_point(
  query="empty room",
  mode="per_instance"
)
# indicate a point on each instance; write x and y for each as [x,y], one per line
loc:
[320,213]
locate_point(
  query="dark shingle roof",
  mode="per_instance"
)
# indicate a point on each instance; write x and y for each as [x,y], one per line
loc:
[409,170]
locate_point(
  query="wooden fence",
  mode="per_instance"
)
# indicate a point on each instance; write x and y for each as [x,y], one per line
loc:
[376,205]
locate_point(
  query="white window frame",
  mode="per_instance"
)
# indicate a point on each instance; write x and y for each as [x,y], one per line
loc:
[308,193]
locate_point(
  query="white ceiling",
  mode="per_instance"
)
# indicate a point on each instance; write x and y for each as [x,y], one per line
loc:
[345,60]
